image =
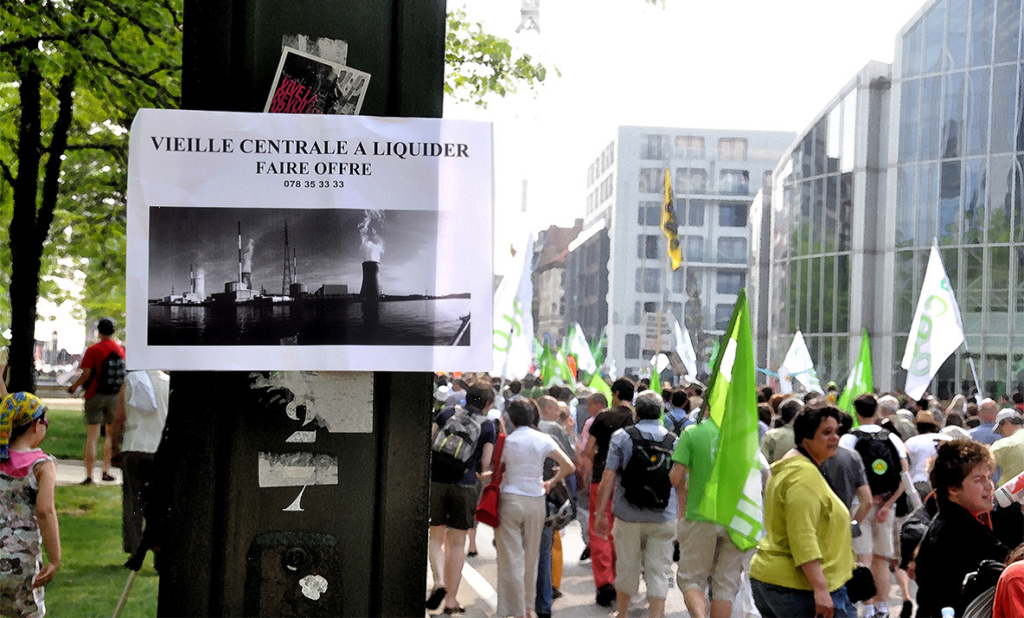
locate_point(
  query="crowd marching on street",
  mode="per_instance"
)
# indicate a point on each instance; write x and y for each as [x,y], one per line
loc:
[833,508]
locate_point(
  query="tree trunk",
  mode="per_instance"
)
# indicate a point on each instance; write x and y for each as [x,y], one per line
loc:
[33,213]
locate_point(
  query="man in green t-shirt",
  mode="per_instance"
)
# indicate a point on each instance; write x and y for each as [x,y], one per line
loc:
[704,546]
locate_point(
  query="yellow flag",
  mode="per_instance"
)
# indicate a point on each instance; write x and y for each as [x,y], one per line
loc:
[670,225]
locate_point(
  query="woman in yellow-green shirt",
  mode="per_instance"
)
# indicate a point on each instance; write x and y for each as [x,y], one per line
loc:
[806,557]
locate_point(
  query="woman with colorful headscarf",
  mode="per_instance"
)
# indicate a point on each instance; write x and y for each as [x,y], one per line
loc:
[28,515]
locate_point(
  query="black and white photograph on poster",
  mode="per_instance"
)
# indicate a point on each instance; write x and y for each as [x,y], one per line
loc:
[306,84]
[307,242]
[303,277]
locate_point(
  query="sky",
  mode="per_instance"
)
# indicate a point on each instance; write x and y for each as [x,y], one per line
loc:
[714,64]
[722,64]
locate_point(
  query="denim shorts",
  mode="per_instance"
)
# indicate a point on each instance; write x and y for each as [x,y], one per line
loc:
[780,602]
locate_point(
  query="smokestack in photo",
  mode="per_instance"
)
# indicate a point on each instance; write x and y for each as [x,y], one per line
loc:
[371,249]
[199,284]
[239,251]
[246,277]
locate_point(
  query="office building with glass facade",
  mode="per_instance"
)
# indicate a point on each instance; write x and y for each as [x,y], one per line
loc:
[927,150]
[714,176]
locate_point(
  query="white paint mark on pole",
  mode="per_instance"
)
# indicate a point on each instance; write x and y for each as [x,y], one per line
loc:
[297,469]
[296,505]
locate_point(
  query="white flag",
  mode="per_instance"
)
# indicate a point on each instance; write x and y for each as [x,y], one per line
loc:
[513,318]
[578,345]
[684,348]
[936,331]
[660,362]
[801,367]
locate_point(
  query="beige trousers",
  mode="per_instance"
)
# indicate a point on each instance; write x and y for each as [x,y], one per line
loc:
[521,520]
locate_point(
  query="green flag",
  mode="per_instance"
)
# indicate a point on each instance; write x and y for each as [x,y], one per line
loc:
[598,384]
[548,366]
[563,369]
[861,379]
[732,495]
[597,349]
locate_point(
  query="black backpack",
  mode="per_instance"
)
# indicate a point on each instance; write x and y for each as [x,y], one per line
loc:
[111,375]
[881,461]
[645,479]
[675,426]
[456,442]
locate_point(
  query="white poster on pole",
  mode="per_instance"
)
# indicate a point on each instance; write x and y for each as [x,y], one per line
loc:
[308,242]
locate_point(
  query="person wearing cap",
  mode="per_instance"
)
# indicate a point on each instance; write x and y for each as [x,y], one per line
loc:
[1008,450]
[100,408]
[27,507]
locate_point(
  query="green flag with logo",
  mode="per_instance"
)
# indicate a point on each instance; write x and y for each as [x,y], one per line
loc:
[861,379]
[732,495]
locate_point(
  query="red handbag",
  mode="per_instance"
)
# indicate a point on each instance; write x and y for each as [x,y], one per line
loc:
[487,508]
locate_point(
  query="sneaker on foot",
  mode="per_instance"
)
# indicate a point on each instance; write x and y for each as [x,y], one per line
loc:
[556,594]
[586,554]
[606,595]
[108,477]
[87,481]
[908,609]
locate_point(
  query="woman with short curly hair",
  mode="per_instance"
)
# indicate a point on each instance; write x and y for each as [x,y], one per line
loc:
[960,536]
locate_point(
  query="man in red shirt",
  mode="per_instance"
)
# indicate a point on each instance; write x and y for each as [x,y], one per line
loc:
[100,407]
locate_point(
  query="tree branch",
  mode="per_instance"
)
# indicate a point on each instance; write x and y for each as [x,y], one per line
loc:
[58,145]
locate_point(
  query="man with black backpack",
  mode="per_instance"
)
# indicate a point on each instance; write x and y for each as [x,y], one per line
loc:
[102,374]
[645,505]
[462,442]
[885,459]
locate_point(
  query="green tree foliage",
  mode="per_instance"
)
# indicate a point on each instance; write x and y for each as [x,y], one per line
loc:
[73,73]
[478,64]
[72,76]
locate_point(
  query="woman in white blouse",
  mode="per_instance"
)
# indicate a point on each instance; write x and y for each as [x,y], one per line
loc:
[521,510]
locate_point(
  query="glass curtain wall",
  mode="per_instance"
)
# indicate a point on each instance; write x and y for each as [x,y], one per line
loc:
[811,199]
[959,180]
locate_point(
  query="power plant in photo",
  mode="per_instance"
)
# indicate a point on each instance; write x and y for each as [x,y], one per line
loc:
[290,313]
[243,291]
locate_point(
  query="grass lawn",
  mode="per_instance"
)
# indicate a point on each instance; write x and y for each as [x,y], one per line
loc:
[91,576]
[66,435]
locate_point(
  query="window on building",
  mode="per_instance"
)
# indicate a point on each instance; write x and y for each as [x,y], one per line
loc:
[732,149]
[689,147]
[730,282]
[734,182]
[652,180]
[652,281]
[690,180]
[607,187]
[732,215]
[695,213]
[632,346]
[647,246]
[654,147]
[649,213]
[722,315]
[732,249]
[695,248]
[636,313]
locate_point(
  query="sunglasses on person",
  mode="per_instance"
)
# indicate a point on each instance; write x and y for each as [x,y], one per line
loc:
[45,422]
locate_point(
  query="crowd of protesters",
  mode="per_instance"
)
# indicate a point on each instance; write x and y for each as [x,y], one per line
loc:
[900,490]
